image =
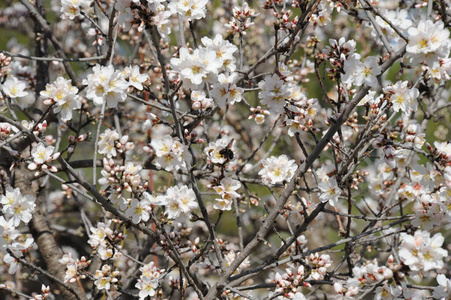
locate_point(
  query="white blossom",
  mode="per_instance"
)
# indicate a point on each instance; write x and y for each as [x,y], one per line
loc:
[330,191]
[274,93]
[16,206]
[106,85]
[428,41]
[14,88]
[277,169]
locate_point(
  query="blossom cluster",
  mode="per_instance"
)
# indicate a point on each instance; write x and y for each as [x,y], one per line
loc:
[64,95]
[227,149]
[148,281]
[277,169]
[170,153]
[75,269]
[16,209]
[227,190]
[204,64]
[109,86]
[178,201]
[105,240]
[421,252]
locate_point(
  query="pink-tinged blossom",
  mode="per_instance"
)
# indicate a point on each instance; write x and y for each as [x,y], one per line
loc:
[14,88]
[106,85]
[148,281]
[5,130]
[200,101]
[443,149]
[303,112]
[274,93]
[241,19]
[64,95]
[319,265]
[277,169]
[12,262]
[358,73]
[428,41]
[402,97]
[369,273]
[421,252]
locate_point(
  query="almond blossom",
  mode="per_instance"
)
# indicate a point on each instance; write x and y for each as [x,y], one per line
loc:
[227,190]
[421,252]
[64,95]
[107,141]
[138,210]
[42,155]
[171,154]
[277,169]
[148,281]
[443,290]
[14,88]
[215,150]
[190,9]
[105,85]
[428,41]
[17,207]
[359,73]
[74,8]
[330,191]
[273,93]
[225,91]
[197,68]
[178,201]
[134,77]
[402,97]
